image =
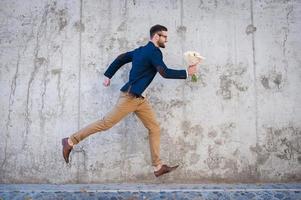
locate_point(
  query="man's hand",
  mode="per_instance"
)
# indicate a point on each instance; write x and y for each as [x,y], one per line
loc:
[106,82]
[192,69]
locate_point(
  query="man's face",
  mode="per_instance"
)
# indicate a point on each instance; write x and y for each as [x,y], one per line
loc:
[162,38]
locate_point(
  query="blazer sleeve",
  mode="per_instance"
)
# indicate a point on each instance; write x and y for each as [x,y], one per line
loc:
[118,62]
[164,71]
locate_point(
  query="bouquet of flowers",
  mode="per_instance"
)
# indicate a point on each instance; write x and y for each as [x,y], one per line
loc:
[193,58]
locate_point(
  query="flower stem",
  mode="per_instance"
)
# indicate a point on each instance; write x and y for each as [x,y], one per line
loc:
[194,78]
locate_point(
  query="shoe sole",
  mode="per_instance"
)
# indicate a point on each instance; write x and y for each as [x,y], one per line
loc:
[66,159]
[172,169]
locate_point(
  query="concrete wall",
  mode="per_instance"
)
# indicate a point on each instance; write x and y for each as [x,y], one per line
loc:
[241,122]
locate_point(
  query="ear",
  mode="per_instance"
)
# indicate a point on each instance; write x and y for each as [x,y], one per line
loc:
[156,36]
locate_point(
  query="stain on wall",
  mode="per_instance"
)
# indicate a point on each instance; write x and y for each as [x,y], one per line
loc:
[273,80]
[231,81]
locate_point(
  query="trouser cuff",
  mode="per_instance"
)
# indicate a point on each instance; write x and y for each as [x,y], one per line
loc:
[74,139]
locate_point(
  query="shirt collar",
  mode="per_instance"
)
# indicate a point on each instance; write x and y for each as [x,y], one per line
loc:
[150,43]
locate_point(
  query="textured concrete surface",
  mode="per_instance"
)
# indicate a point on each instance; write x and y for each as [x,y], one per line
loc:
[150,191]
[241,122]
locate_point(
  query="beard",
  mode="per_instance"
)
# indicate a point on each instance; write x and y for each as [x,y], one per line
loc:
[161,44]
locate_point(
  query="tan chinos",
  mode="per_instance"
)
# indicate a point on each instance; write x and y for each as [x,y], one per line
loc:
[126,104]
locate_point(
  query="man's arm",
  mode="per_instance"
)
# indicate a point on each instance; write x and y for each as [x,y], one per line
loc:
[164,71]
[117,63]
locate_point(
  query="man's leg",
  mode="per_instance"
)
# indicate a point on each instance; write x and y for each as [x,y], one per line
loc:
[125,105]
[148,118]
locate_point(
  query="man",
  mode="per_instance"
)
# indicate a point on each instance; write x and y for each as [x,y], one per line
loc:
[146,62]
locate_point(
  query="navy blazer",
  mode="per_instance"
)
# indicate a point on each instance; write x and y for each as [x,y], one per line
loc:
[146,62]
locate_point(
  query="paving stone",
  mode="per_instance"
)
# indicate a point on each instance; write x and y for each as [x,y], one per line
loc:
[151,192]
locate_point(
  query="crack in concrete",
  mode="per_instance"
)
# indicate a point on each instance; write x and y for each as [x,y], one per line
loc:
[58,72]
[287,30]
[58,86]
[79,63]
[61,95]
[79,80]
[255,79]
[10,104]
[284,43]
[37,66]
[42,117]
[123,45]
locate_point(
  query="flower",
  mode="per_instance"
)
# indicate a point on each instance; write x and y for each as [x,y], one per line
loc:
[193,58]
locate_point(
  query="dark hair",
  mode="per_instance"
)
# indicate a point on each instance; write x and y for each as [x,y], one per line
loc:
[155,29]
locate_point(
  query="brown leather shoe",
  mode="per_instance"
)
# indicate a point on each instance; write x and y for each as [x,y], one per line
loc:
[165,169]
[66,149]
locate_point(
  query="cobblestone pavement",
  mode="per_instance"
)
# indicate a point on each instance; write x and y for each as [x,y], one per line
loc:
[152,191]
